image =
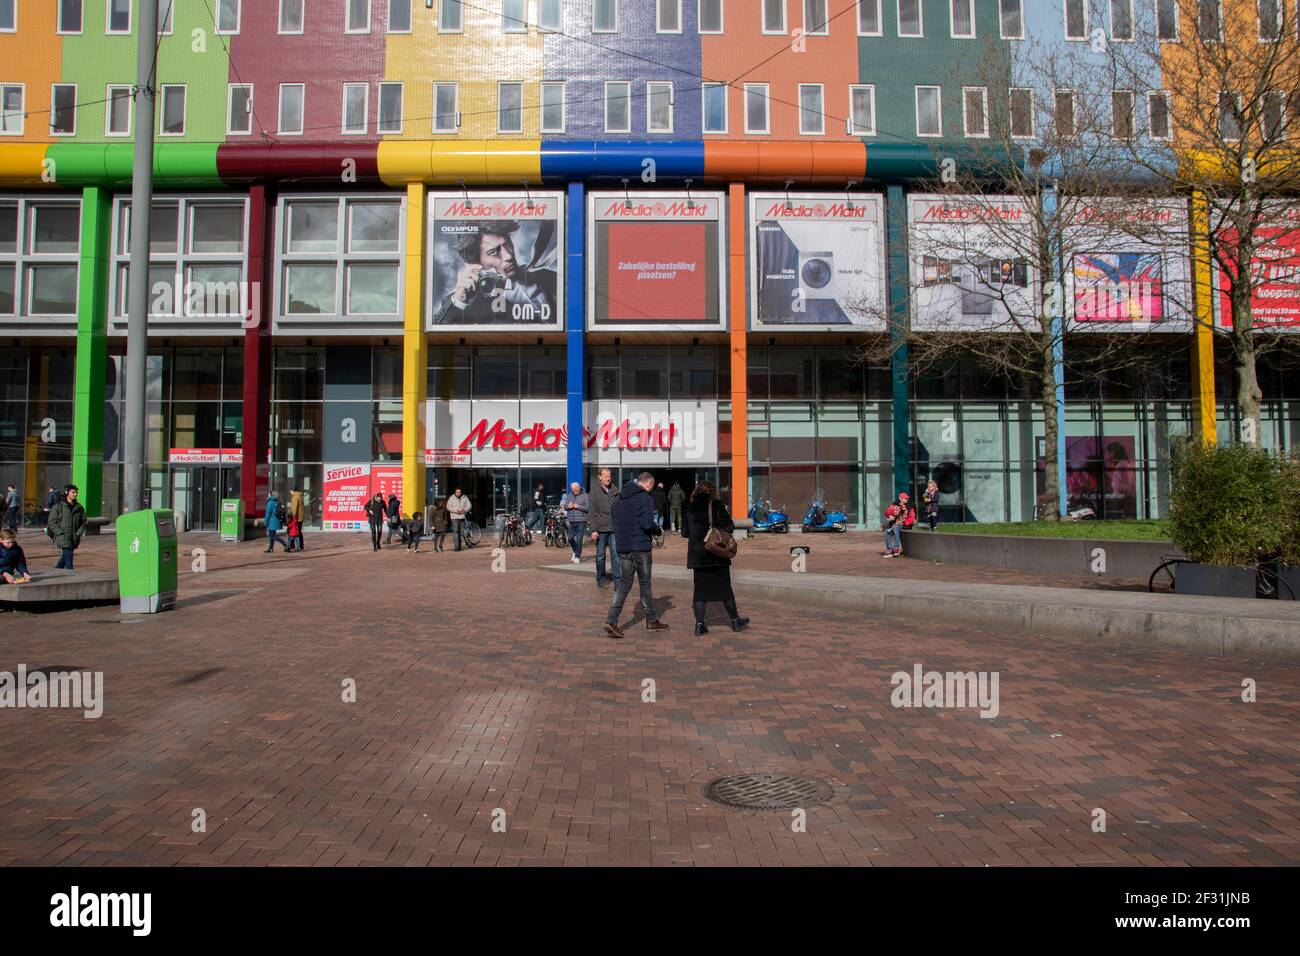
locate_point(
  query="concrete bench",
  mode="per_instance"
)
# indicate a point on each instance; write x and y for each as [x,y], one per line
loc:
[51,587]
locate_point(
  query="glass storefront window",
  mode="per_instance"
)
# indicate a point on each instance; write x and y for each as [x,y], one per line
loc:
[386,429]
[791,373]
[496,372]
[373,226]
[312,227]
[198,374]
[792,435]
[296,432]
[309,289]
[196,425]
[217,228]
[839,433]
[692,373]
[386,372]
[544,373]
[645,373]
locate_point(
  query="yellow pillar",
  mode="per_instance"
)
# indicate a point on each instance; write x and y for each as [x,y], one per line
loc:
[415,350]
[1204,422]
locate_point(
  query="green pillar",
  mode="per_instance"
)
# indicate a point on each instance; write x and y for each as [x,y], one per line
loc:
[900,304]
[92,349]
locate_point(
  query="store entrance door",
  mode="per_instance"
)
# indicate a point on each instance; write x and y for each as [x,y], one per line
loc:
[197,494]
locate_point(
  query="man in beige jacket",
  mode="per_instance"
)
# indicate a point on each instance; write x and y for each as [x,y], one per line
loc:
[458,507]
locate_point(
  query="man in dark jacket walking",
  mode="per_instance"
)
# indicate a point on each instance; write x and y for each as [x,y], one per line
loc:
[67,526]
[601,517]
[661,504]
[634,524]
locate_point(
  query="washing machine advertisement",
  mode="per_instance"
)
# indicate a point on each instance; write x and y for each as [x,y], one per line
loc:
[818,262]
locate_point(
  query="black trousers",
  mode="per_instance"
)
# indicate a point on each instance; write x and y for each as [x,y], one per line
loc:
[376,531]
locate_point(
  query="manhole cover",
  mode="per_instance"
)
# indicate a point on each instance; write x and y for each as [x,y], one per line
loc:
[767,791]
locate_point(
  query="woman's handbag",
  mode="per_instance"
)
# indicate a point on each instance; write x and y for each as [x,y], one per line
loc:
[717,542]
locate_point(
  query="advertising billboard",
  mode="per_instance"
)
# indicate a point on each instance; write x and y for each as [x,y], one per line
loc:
[1128,265]
[817,262]
[970,262]
[496,261]
[343,497]
[1275,302]
[655,261]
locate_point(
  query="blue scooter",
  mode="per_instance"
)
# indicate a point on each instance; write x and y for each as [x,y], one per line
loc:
[820,519]
[767,518]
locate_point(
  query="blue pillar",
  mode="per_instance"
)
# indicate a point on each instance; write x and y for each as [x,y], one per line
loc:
[575,304]
[899,322]
[1050,205]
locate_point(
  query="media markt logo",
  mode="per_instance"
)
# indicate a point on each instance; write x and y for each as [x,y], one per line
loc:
[76,909]
[40,689]
[501,438]
[816,210]
[680,209]
[500,209]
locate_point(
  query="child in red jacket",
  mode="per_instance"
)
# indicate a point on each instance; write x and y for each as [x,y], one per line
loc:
[898,516]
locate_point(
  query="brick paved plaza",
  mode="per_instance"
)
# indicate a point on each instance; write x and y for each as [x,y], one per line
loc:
[479,690]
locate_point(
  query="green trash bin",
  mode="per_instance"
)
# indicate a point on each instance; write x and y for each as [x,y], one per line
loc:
[146,561]
[232,519]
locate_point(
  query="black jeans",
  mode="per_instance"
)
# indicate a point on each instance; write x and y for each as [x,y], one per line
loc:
[639,564]
[376,532]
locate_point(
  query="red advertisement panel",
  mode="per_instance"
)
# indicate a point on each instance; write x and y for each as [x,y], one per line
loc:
[657,272]
[1276,264]
[344,493]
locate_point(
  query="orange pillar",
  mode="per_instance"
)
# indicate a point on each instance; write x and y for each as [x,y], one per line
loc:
[737,310]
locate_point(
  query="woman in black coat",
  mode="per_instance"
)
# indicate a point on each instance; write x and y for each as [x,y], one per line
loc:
[712,573]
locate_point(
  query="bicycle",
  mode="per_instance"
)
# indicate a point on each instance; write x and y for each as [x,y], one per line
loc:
[555,531]
[515,534]
[470,533]
[1268,584]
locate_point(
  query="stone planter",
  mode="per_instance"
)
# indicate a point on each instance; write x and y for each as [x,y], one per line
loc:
[1288,576]
[1215,580]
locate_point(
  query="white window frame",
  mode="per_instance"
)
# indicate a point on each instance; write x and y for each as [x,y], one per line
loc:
[983,92]
[726,108]
[821,113]
[347,14]
[279,23]
[544,28]
[401,108]
[239,19]
[617,18]
[1152,96]
[952,21]
[898,12]
[917,100]
[765,90]
[768,29]
[1132,21]
[460,28]
[1020,16]
[659,10]
[23,260]
[517,24]
[1033,120]
[163,89]
[108,109]
[851,126]
[627,84]
[1281,22]
[501,85]
[58,19]
[1283,116]
[880,18]
[53,87]
[1057,93]
[455,113]
[541,106]
[722,18]
[1218,120]
[410,17]
[1132,119]
[365,110]
[166,17]
[22,111]
[279,111]
[649,104]
[1219,38]
[230,112]
[826,25]
[1178,23]
[1065,20]
[108,19]
[14,28]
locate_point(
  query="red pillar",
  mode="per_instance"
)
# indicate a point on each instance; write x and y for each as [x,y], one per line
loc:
[255,470]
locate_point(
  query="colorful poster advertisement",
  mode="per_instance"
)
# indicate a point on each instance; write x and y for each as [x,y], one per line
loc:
[970,263]
[817,262]
[1129,267]
[1275,304]
[656,261]
[344,492]
[387,480]
[1100,473]
[496,261]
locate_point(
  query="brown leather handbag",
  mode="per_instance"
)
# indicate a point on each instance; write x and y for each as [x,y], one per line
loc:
[719,543]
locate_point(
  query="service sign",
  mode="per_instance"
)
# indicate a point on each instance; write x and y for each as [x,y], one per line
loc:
[817,261]
[205,456]
[345,490]
[496,261]
[655,261]
[970,262]
[1128,266]
[1275,303]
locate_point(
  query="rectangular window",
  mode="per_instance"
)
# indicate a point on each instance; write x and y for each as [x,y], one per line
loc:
[228,13]
[510,107]
[1121,114]
[962,18]
[63,109]
[451,16]
[618,107]
[239,109]
[340,257]
[909,18]
[1158,123]
[550,15]
[757,118]
[604,16]
[399,16]
[710,16]
[773,16]
[1022,113]
[446,119]
[356,98]
[862,111]
[816,19]
[390,107]
[8,16]
[117,118]
[1209,16]
[659,107]
[291,108]
[1167,20]
[1272,116]
[1121,20]
[514,16]
[869,20]
[1230,121]
[69,16]
[1076,19]
[358,18]
[812,116]
[1270,19]
[715,107]
[118,14]
[1063,113]
[975,111]
[291,16]
[11,109]
[929,111]
[552,108]
[668,16]
[1011,20]
[164,17]
[172,111]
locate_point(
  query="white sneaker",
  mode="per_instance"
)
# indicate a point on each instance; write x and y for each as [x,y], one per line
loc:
[575,559]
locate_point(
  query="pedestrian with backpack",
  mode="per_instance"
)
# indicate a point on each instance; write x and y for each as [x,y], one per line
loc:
[275,521]
[67,526]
